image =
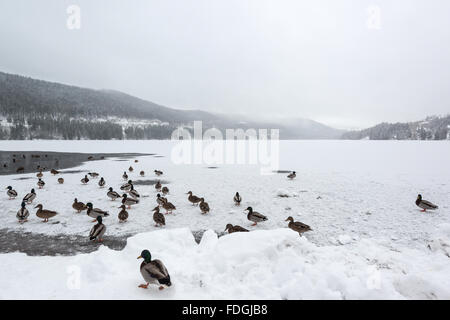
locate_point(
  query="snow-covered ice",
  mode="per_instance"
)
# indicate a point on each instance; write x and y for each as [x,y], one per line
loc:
[357,196]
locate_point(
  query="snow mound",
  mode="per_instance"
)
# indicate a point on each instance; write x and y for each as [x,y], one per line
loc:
[344,239]
[441,240]
[283,193]
[262,264]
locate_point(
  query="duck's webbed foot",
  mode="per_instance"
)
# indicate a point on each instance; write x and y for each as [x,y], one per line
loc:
[143,286]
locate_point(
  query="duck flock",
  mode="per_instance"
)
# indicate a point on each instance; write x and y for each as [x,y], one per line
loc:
[153,271]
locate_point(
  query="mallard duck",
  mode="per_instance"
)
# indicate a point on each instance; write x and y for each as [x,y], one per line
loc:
[44,214]
[193,199]
[126,186]
[123,214]
[125,176]
[165,190]
[95,212]
[12,194]
[424,204]
[130,169]
[255,216]
[30,196]
[153,271]
[112,194]
[160,200]
[136,161]
[158,172]
[237,199]
[292,175]
[298,226]
[158,217]
[54,171]
[98,230]
[134,193]
[158,185]
[20,169]
[230,228]
[204,207]
[168,206]
[39,174]
[60,180]
[78,206]
[40,183]
[101,182]
[93,174]
[142,173]
[129,201]
[23,214]
[85,180]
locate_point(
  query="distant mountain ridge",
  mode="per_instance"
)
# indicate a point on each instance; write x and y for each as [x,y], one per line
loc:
[432,128]
[38,109]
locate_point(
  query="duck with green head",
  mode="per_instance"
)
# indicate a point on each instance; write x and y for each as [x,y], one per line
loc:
[98,230]
[153,271]
[12,194]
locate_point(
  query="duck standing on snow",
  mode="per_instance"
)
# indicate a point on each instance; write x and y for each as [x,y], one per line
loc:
[204,206]
[158,185]
[297,226]
[60,180]
[158,217]
[230,228]
[40,183]
[237,199]
[130,169]
[134,193]
[12,194]
[129,201]
[54,171]
[93,174]
[95,212]
[168,206]
[193,199]
[142,173]
[44,214]
[153,271]
[123,214]
[112,194]
[85,180]
[98,230]
[78,206]
[292,175]
[39,174]
[101,182]
[30,197]
[255,216]
[23,214]
[125,176]
[165,190]
[158,172]
[126,186]
[160,200]
[424,204]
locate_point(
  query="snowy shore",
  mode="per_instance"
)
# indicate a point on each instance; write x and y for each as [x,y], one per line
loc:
[266,264]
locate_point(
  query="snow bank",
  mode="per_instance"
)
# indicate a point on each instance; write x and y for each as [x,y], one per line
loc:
[283,193]
[263,264]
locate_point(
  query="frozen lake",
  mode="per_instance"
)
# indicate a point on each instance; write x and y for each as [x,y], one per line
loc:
[358,197]
[356,188]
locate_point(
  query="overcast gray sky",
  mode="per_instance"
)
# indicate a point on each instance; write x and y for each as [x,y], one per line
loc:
[325,60]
